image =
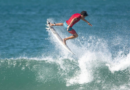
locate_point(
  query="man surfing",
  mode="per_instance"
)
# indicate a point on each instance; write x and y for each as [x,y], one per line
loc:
[69,24]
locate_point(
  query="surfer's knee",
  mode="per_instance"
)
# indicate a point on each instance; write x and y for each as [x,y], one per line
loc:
[75,35]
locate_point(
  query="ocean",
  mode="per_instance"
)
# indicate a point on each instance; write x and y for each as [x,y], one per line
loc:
[32,59]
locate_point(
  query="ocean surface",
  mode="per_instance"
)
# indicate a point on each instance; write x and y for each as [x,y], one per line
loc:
[31,58]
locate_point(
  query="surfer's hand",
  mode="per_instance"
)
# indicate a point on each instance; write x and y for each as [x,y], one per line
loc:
[89,24]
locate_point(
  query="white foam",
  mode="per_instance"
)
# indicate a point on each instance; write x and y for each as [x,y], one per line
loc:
[85,73]
[122,87]
[119,63]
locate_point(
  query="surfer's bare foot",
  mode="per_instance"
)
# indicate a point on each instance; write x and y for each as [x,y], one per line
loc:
[64,41]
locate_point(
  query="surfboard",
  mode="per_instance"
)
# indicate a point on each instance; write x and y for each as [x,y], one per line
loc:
[57,36]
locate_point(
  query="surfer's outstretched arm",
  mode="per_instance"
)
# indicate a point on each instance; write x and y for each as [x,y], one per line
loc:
[86,21]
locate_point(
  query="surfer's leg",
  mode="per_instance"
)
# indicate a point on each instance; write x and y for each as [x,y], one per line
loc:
[57,24]
[71,37]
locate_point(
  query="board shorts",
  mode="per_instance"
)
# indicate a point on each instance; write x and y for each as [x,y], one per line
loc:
[71,30]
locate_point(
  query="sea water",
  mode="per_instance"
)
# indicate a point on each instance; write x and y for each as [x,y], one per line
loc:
[32,59]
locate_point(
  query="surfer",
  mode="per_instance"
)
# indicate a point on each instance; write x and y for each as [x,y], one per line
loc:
[69,24]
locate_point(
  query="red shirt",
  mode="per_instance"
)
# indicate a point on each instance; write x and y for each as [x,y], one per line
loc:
[76,15]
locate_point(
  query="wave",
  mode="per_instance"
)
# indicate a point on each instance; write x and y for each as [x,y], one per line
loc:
[90,71]
[93,67]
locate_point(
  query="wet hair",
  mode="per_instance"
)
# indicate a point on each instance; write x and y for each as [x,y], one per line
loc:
[84,13]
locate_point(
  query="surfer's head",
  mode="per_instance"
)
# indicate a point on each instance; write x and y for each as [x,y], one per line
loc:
[84,13]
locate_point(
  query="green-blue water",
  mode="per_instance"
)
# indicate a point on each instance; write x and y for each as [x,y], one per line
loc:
[32,59]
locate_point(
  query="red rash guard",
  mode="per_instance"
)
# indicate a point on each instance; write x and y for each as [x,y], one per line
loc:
[76,15]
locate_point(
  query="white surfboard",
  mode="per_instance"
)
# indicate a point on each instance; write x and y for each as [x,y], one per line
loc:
[58,37]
